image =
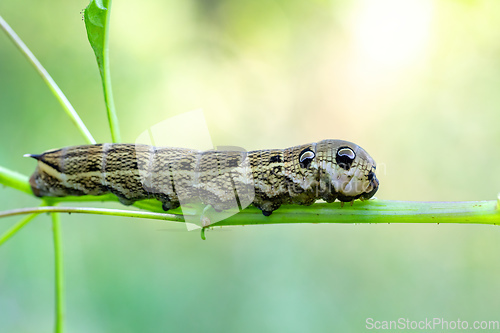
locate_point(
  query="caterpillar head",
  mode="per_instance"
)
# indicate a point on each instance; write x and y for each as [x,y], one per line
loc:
[346,171]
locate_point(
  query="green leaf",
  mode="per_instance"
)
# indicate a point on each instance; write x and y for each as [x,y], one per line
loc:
[96,17]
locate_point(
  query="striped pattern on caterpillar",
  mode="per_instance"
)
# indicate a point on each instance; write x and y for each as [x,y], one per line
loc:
[329,170]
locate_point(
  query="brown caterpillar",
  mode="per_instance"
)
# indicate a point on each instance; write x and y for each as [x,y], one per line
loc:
[328,170]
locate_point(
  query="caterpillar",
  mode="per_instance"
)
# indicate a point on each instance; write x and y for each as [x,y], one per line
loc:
[329,170]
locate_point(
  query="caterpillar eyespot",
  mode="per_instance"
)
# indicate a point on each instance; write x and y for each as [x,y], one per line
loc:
[344,158]
[306,158]
[329,170]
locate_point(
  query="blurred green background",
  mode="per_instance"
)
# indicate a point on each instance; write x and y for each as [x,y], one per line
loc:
[416,83]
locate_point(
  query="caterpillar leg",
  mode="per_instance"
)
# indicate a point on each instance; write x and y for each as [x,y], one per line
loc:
[125,201]
[167,205]
[267,207]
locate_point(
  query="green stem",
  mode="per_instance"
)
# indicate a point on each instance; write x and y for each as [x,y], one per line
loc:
[376,211]
[150,205]
[108,92]
[68,108]
[59,287]
[90,210]
[15,228]
[15,180]
[372,211]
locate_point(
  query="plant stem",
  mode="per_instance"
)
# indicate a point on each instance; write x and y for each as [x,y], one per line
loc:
[90,210]
[106,81]
[15,228]
[372,211]
[15,180]
[68,108]
[376,211]
[58,265]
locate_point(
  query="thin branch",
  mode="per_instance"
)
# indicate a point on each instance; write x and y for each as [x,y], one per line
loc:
[372,211]
[15,180]
[98,211]
[68,108]
[108,92]
[15,228]
[58,266]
